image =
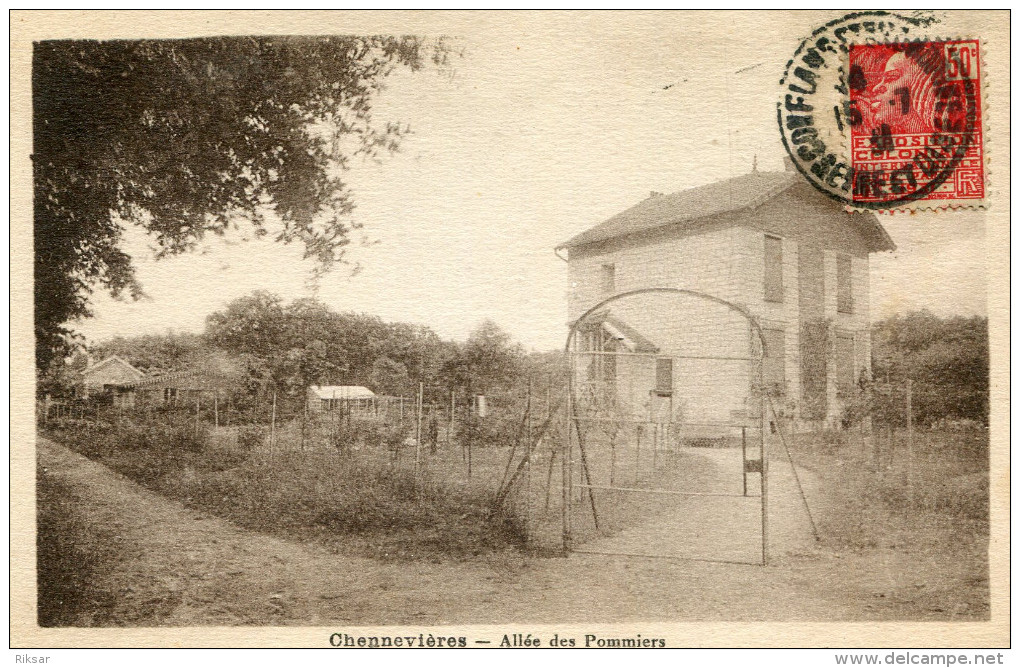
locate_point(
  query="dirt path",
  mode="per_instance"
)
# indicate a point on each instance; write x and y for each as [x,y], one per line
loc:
[180,567]
[726,528]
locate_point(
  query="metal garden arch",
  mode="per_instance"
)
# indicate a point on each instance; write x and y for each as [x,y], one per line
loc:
[575,440]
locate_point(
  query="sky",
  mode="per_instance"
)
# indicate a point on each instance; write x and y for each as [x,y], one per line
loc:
[536,135]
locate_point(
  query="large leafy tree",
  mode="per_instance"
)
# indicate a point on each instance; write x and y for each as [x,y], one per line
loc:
[191,137]
[488,360]
[291,346]
[947,358]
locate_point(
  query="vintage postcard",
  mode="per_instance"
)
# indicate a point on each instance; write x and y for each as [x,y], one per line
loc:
[510,329]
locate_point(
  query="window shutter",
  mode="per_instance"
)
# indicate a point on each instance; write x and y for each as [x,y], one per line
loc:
[664,376]
[844,284]
[773,269]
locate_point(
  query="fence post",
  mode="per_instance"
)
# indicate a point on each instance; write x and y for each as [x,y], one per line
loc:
[473,432]
[910,444]
[304,424]
[272,429]
[743,450]
[565,464]
[449,428]
[417,431]
[527,453]
[637,454]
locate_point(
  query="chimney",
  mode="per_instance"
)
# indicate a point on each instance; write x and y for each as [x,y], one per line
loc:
[788,163]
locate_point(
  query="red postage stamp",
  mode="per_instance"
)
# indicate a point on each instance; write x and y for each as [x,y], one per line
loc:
[915,123]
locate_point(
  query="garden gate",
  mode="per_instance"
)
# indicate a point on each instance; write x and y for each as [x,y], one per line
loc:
[666,434]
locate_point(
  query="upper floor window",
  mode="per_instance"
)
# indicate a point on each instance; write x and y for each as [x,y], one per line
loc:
[664,376]
[844,284]
[608,280]
[773,269]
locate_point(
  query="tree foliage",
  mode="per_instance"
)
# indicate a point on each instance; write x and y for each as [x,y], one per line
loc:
[947,360]
[152,353]
[191,137]
[488,360]
[291,346]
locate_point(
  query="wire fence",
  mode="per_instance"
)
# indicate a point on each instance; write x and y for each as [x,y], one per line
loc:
[490,443]
[511,445]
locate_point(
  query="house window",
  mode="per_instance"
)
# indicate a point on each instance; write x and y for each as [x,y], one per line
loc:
[845,379]
[774,361]
[844,284]
[664,376]
[608,280]
[773,269]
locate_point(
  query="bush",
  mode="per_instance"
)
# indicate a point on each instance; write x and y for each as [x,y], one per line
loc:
[865,481]
[306,492]
[149,453]
[334,498]
[250,437]
[129,436]
[494,430]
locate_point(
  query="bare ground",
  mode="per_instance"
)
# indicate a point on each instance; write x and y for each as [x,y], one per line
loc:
[164,564]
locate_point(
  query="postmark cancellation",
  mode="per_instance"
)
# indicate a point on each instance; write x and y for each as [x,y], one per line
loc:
[881,116]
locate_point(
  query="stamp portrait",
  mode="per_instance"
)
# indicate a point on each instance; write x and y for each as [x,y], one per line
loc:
[918,107]
[881,116]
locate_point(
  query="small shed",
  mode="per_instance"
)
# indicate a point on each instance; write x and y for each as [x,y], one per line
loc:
[112,377]
[354,399]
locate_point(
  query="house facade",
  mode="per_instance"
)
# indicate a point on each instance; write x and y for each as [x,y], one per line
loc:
[766,242]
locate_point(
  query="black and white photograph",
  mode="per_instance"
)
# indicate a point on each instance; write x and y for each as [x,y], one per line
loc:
[511,329]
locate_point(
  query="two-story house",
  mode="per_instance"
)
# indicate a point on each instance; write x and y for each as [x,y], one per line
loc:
[767,242]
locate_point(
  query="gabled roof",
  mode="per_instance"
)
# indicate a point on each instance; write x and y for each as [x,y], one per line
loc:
[341,392]
[743,192]
[109,360]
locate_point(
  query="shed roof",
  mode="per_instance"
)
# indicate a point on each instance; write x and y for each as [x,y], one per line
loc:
[743,192]
[341,392]
[632,339]
[157,380]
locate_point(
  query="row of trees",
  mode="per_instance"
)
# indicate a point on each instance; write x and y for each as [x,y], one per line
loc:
[267,345]
[291,346]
